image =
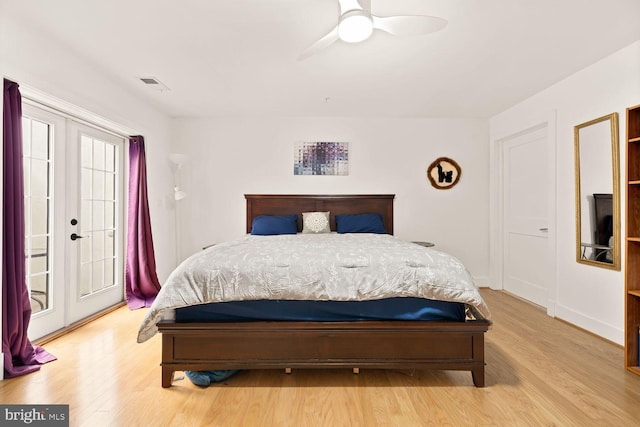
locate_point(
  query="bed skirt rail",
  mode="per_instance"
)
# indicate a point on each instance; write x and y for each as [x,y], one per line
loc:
[361,344]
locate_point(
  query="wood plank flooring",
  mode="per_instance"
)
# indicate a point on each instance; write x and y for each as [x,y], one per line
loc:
[540,372]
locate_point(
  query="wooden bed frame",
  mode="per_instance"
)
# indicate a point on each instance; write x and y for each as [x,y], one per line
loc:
[355,344]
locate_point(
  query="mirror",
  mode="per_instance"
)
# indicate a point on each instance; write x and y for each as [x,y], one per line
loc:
[598,192]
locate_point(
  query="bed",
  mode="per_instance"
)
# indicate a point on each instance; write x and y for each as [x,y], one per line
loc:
[225,344]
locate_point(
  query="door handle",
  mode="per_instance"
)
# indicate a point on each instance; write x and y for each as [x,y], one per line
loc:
[545,229]
[74,237]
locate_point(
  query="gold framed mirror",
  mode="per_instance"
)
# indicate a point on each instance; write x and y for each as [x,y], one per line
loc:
[597,165]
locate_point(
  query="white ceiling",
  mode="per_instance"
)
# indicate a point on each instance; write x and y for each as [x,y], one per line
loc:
[239,57]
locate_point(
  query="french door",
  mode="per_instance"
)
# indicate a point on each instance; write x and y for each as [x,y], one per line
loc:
[94,220]
[73,217]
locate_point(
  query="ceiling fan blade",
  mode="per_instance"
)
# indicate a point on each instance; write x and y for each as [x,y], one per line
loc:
[321,44]
[347,5]
[409,25]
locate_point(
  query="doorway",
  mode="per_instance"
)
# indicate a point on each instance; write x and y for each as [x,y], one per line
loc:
[73,176]
[527,208]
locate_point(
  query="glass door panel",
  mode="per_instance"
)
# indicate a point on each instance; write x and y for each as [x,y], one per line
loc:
[42,141]
[98,204]
[37,142]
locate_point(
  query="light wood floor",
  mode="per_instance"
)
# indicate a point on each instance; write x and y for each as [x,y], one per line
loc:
[540,372]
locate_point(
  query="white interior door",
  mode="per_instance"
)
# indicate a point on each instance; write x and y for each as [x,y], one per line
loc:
[526,260]
[73,187]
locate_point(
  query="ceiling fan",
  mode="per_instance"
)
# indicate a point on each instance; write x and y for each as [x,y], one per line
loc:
[356,24]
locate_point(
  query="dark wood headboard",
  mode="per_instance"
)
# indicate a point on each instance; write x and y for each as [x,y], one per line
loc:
[341,204]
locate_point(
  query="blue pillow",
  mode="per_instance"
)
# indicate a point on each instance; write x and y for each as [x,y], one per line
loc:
[364,223]
[269,225]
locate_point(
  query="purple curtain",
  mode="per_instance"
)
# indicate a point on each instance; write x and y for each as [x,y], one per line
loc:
[20,356]
[142,284]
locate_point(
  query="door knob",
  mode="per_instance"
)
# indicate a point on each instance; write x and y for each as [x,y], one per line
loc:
[74,236]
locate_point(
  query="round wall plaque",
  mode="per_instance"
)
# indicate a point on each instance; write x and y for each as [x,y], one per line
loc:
[444,173]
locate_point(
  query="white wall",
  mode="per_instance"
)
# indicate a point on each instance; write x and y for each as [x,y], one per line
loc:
[38,62]
[587,296]
[230,157]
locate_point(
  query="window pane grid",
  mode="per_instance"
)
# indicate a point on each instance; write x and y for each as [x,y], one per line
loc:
[98,207]
[36,141]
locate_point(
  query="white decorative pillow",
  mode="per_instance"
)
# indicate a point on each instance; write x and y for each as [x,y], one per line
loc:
[315,222]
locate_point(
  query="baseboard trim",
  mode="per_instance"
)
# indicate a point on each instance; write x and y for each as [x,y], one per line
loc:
[589,324]
[482,281]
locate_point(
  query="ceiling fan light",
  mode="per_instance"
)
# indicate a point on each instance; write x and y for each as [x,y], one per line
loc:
[355,27]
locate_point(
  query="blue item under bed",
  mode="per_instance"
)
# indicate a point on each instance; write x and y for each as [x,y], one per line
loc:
[400,308]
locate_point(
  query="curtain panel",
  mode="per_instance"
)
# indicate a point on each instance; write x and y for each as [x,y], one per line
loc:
[141,280]
[20,356]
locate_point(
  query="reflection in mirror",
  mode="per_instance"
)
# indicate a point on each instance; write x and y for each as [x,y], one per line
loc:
[598,192]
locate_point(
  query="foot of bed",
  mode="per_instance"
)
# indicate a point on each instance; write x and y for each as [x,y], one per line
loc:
[287,370]
[356,370]
[167,377]
[478,376]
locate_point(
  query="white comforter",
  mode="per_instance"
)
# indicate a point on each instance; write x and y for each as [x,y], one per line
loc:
[339,267]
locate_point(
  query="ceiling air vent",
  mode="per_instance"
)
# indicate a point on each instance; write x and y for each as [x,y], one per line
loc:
[154,83]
